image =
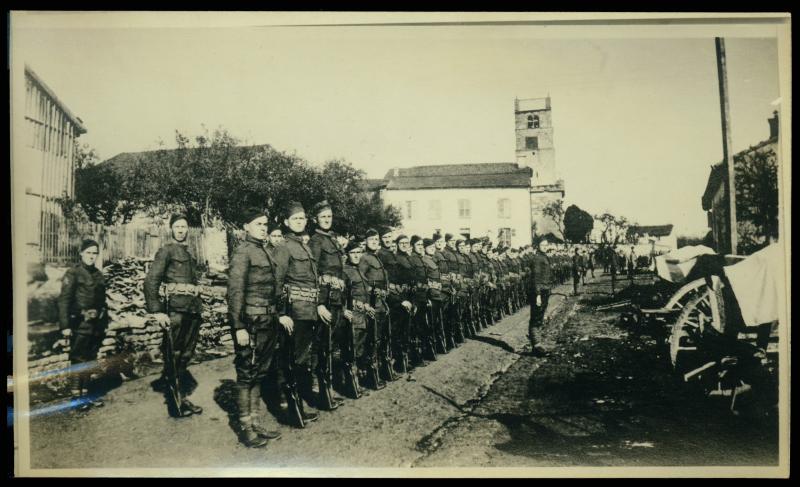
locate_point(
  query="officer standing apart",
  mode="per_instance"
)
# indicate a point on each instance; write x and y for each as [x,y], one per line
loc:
[179,311]
[333,332]
[541,274]
[82,317]
[252,300]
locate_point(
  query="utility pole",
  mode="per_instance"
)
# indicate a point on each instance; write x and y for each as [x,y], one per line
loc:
[722,74]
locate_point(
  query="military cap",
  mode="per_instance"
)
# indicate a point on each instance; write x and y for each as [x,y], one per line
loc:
[352,245]
[384,231]
[250,214]
[88,243]
[320,207]
[177,216]
[436,236]
[475,241]
[460,242]
[371,232]
[427,242]
[399,238]
[415,239]
[448,237]
[293,207]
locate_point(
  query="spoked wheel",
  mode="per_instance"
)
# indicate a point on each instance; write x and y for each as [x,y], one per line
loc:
[699,312]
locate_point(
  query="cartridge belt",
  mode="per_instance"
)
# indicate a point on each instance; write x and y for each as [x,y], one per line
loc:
[332,281]
[435,285]
[398,288]
[181,288]
[379,292]
[297,293]
[259,310]
[359,305]
[446,277]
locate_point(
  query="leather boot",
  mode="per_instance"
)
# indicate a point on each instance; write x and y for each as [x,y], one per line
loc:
[256,415]
[351,381]
[373,378]
[401,364]
[326,399]
[386,370]
[245,431]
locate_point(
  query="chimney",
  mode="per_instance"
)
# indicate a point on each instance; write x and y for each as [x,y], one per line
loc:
[773,125]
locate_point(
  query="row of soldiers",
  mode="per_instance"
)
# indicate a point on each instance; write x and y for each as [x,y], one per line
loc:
[310,314]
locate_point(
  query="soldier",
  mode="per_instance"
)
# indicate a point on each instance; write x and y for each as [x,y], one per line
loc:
[542,283]
[404,273]
[590,260]
[252,306]
[332,329]
[467,288]
[275,237]
[82,317]
[479,280]
[297,277]
[576,270]
[175,267]
[359,311]
[447,263]
[631,263]
[422,337]
[378,281]
[436,296]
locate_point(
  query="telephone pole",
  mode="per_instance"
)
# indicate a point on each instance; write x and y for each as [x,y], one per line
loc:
[722,74]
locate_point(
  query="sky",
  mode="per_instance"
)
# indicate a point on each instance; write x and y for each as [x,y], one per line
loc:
[636,120]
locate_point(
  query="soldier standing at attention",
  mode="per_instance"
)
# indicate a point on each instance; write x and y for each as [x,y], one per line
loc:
[377,278]
[405,279]
[332,330]
[631,263]
[297,277]
[423,330]
[542,277]
[252,300]
[435,296]
[448,266]
[468,288]
[175,267]
[82,316]
[358,311]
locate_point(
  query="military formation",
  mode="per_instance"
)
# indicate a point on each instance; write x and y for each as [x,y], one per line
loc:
[315,314]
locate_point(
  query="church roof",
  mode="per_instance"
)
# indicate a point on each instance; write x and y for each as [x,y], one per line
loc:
[484,175]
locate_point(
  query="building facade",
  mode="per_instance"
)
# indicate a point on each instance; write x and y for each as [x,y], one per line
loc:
[751,235]
[47,161]
[535,149]
[475,200]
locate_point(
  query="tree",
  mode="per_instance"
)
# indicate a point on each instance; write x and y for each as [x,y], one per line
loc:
[756,174]
[614,227]
[578,224]
[555,211]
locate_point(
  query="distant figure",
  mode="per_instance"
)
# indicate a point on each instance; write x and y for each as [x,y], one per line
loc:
[631,263]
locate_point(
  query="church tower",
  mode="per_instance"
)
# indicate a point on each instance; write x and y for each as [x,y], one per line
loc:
[535,149]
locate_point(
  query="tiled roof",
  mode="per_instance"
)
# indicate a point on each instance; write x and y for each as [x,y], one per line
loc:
[486,175]
[372,184]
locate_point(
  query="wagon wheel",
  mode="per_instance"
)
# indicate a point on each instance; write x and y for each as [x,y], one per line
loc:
[701,311]
[685,294]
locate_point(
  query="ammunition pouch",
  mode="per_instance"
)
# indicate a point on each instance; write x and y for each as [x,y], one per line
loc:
[297,293]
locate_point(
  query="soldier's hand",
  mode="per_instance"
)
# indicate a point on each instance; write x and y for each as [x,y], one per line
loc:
[370,311]
[287,324]
[324,314]
[407,305]
[242,338]
[538,300]
[66,332]
[348,315]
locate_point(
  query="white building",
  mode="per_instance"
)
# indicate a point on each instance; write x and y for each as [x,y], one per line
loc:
[476,200]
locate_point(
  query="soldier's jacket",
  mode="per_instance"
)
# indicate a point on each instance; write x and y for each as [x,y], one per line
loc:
[404,272]
[463,265]
[444,271]
[252,283]
[357,289]
[330,263]
[541,272]
[420,278]
[173,263]
[376,276]
[82,288]
[297,271]
[434,278]
[577,264]
[476,266]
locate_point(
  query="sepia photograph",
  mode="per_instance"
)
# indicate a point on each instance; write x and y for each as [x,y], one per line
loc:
[351,244]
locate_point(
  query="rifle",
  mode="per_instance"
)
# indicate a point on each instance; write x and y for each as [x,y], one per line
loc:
[372,372]
[290,386]
[326,365]
[349,375]
[171,367]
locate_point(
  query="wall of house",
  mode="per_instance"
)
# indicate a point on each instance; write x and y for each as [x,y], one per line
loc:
[484,217]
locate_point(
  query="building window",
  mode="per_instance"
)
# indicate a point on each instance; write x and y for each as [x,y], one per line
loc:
[411,209]
[504,237]
[536,121]
[504,208]
[530,121]
[434,210]
[464,209]
[531,143]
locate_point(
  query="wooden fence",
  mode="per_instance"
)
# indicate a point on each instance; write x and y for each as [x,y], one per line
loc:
[61,239]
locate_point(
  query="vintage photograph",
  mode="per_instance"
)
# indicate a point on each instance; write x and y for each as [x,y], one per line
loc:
[400,244]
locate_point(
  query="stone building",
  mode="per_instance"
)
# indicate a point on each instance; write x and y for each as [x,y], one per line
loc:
[535,149]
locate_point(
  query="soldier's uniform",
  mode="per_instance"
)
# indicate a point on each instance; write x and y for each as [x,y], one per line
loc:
[399,291]
[436,296]
[422,339]
[331,337]
[467,291]
[357,301]
[542,283]
[448,265]
[298,278]
[82,310]
[377,277]
[477,287]
[576,271]
[252,306]
[175,268]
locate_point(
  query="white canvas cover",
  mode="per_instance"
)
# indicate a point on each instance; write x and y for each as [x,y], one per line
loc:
[676,265]
[756,282]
